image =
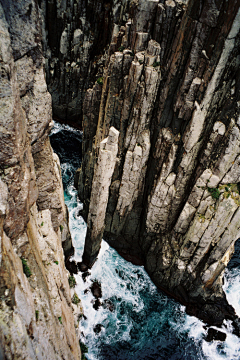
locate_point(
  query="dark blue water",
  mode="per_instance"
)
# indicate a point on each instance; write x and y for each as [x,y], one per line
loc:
[144,323]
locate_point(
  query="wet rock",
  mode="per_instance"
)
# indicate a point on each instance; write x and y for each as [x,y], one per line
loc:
[97,328]
[214,334]
[82,267]
[80,212]
[85,275]
[97,304]
[96,289]
[71,266]
[108,304]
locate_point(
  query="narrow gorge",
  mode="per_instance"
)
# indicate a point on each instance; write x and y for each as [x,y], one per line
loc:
[155,87]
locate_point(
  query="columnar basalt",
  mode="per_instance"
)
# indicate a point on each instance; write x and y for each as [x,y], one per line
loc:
[172,91]
[99,197]
[36,311]
[76,35]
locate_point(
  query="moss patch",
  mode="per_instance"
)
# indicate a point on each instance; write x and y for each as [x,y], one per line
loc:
[72,281]
[26,268]
[75,299]
[157,63]
[100,81]
[215,193]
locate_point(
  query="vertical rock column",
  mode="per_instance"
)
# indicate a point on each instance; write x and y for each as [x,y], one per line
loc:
[99,196]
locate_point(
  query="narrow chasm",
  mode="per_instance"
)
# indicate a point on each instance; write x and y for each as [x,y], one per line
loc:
[125,316]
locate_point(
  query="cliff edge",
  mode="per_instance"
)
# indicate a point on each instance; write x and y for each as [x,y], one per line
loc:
[36,311]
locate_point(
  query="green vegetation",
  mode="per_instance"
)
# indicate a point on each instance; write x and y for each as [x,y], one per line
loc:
[42,223]
[231,190]
[56,262]
[60,319]
[26,268]
[238,187]
[215,193]
[61,228]
[37,315]
[201,217]
[157,63]
[226,190]
[140,62]
[84,349]
[72,281]
[75,299]
[121,48]
[100,81]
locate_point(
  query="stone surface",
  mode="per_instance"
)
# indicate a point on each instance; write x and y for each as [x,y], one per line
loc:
[173,201]
[76,36]
[100,189]
[37,317]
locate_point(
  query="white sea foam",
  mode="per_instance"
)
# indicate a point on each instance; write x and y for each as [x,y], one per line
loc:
[57,127]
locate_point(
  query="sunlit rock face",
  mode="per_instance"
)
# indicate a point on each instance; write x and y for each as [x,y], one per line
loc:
[170,86]
[36,309]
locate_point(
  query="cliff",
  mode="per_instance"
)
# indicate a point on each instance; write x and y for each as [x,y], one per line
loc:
[155,85]
[36,311]
[170,86]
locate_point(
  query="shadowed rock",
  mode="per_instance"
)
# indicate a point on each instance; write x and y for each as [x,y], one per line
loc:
[214,334]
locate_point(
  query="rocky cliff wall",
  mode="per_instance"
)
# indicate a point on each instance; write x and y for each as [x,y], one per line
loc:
[76,35]
[36,311]
[171,88]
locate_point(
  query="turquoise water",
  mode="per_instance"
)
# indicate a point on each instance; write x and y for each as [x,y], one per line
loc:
[144,323]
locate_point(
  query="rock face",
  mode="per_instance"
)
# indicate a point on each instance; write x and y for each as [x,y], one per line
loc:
[172,91]
[75,37]
[36,310]
[99,197]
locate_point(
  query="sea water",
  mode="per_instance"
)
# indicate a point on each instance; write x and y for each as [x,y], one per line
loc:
[141,321]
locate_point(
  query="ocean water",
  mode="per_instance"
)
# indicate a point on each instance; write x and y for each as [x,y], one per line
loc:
[136,321]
